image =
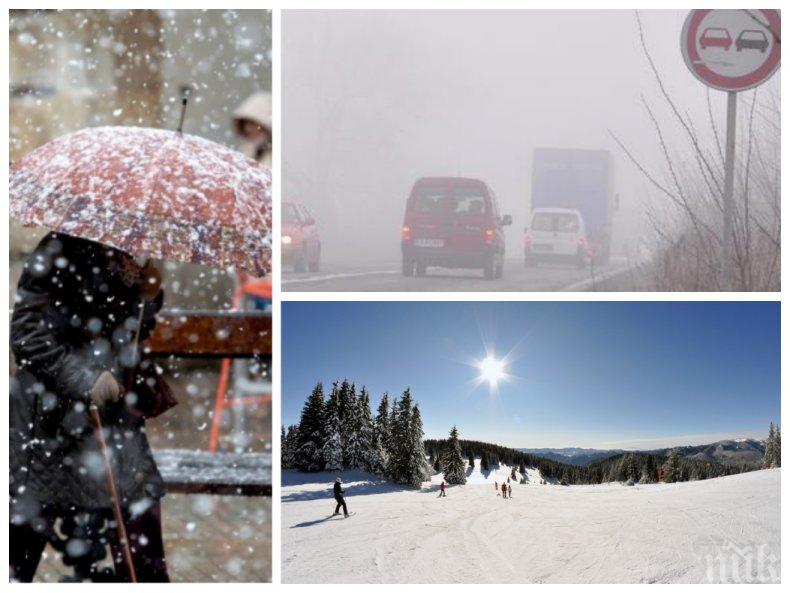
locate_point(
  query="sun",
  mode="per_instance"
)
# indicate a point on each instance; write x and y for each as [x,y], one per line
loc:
[492,370]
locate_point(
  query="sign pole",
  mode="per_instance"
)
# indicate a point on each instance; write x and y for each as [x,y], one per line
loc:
[731,51]
[728,207]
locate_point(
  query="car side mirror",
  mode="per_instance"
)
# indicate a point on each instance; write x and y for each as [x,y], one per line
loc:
[507,220]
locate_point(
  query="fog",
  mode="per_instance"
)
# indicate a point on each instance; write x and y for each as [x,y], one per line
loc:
[372,100]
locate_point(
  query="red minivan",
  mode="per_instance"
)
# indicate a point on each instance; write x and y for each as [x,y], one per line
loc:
[453,222]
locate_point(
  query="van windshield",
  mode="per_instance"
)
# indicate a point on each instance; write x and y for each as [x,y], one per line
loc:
[555,222]
[460,201]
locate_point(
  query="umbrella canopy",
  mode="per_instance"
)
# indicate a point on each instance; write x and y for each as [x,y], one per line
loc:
[150,193]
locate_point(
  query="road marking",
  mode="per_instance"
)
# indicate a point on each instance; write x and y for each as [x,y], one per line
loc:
[338,276]
[585,284]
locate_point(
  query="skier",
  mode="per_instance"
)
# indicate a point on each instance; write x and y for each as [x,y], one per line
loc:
[442,493]
[509,491]
[72,333]
[339,492]
[496,487]
[504,490]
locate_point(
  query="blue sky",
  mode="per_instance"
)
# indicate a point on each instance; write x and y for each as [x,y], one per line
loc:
[589,374]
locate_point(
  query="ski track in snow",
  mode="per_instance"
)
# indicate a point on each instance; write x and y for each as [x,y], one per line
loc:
[608,533]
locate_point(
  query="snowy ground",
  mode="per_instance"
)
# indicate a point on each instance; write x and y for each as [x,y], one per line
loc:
[725,529]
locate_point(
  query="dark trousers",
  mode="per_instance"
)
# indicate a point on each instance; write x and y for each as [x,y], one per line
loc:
[341,503]
[442,493]
[145,538]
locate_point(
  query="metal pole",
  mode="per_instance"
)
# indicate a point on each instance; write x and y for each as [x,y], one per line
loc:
[727,275]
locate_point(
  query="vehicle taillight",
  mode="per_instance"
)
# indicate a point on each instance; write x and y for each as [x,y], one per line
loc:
[489,236]
[405,233]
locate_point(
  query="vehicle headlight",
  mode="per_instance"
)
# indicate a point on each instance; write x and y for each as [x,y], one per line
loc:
[286,239]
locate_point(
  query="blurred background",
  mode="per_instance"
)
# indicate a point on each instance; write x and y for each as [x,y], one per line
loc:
[74,69]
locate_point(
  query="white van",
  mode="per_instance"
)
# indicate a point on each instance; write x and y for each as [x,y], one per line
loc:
[556,235]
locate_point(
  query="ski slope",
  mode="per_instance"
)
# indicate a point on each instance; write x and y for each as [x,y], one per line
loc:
[497,473]
[724,529]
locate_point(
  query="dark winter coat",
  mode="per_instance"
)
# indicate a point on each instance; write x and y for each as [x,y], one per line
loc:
[75,315]
[338,490]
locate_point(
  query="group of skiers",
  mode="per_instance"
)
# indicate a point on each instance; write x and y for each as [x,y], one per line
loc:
[507,489]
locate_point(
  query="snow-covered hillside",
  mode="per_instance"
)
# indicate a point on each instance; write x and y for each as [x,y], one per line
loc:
[724,529]
[496,473]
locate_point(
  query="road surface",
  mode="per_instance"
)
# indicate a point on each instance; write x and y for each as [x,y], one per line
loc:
[387,277]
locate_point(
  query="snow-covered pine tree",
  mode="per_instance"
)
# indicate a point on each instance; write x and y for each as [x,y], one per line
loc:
[485,464]
[308,456]
[288,446]
[390,445]
[778,442]
[346,405]
[333,452]
[354,451]
[371,448]
[631,470]
[454,466]
[422,471]
[672,467]
[382,427]
[770,456]
[648,471]
[406,463]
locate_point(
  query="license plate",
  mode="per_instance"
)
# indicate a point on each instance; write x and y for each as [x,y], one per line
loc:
[429,242]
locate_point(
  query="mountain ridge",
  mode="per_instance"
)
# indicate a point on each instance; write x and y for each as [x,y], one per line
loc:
[725,451]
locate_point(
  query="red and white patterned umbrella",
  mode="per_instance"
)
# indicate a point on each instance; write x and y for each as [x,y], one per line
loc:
[151,193]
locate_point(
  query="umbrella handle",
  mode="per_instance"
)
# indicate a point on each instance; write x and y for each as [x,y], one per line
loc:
[114,502]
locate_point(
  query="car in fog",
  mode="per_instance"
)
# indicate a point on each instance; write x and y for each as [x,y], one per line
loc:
[752,39]
[715,37]
[453,222]
[301,245]
[556,235]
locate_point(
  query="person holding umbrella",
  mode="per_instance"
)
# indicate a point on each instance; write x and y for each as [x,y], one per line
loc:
[74,335]
[110,194]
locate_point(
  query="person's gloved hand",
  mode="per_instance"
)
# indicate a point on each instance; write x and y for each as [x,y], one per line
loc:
[150,281]
[105,389]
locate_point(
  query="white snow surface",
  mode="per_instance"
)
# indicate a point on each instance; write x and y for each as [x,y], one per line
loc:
[497,473]
[723,529]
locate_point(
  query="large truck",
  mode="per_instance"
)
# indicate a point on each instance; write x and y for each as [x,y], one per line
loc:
[577,180]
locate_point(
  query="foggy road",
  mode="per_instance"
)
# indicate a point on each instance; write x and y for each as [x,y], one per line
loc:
[386,276]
